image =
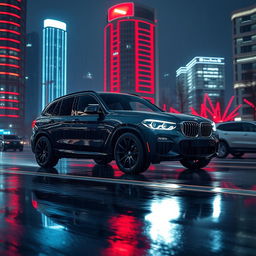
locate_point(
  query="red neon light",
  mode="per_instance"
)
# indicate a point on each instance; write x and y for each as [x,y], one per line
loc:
[16,101]
[120,11]
[112,54]
[139,78]
[9,65]
[208,110]
[16,116]
[11,5]
[10,48]
[250,104]
[9,74]
[11,14]
[10,57]
[13,93]
[10,22]
[9,39]
[9,108]
[10,31]
[105,57]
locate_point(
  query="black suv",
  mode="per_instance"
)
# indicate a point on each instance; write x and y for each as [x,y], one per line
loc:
[120,127]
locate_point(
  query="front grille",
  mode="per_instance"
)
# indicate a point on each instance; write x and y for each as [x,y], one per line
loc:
[197,148]
[194,129]
[206,129]
[190,129]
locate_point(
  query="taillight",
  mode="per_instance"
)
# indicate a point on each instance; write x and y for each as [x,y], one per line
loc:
[33,124]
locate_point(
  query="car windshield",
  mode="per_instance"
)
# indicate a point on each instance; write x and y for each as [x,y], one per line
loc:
[11,137]
[128,103]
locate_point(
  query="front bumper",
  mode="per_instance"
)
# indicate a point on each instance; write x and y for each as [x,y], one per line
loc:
[173,145]
[13,146]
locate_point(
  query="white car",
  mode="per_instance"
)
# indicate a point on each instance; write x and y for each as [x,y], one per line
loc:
[236,138]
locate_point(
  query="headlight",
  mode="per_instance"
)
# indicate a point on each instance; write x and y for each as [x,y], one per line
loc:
[213,126]
[159,125]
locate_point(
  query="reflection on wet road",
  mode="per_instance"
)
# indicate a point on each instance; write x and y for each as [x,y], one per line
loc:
[84,209]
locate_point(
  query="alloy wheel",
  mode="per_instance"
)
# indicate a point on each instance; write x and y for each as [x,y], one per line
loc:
[42,151]
[127,152]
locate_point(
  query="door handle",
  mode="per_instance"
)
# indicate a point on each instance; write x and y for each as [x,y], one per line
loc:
[76,120]
[245,134]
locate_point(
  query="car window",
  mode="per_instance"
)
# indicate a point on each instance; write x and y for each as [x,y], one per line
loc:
[232,127]
[66,106]
[249,127]
[83,102]
[56,110]
[50,109]
[127,102]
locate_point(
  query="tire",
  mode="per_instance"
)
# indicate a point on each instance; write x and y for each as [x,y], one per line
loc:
[21,149]
[2,149]
[44,153]
[223,149]
[237,154]
[195,163]
[130,155]
[103,161]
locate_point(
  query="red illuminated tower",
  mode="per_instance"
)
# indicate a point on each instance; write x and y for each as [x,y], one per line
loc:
[12,44]
[129,64]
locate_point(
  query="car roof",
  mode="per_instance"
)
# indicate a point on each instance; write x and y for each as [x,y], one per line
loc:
[93,92]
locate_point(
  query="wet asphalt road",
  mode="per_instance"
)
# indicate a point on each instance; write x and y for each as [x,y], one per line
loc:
[80,208]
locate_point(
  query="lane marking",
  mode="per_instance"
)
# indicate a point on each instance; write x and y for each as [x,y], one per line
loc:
[165,186]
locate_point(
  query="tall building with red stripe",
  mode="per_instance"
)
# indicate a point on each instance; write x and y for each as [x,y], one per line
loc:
[129,51]
[12,45]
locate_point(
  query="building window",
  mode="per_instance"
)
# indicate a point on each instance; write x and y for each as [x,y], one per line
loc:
[246,18]
[247,48]
[246,28]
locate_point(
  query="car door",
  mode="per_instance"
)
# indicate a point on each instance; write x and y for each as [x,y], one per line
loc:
[249,135]
[62,122]
[89,130]
[235,134]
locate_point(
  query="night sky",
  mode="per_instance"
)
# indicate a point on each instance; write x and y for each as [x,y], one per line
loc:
[185,29]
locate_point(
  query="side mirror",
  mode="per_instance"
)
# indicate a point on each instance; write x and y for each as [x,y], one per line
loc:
[92,109]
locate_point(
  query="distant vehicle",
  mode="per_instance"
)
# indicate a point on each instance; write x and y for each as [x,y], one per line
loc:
[11,142]
[121,127]
[236,138]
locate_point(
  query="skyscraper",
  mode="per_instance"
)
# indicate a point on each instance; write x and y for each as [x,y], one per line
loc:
[32,78]
[244,59]
[200,76]
[54,66]
[12,45]
[130,57]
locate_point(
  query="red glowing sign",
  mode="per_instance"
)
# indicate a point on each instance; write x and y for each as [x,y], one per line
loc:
[120,10]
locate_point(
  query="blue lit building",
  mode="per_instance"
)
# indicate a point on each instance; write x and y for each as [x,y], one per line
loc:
[200,76]
[54,66]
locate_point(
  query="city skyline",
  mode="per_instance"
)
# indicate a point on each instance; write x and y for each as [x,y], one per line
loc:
[216,41]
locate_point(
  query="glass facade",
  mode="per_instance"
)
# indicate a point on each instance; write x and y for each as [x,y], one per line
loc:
[129,62]
[202,75]
[54,73]
[12,44]
[244,59]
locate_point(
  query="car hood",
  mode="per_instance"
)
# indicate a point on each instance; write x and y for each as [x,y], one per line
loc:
[165,116]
